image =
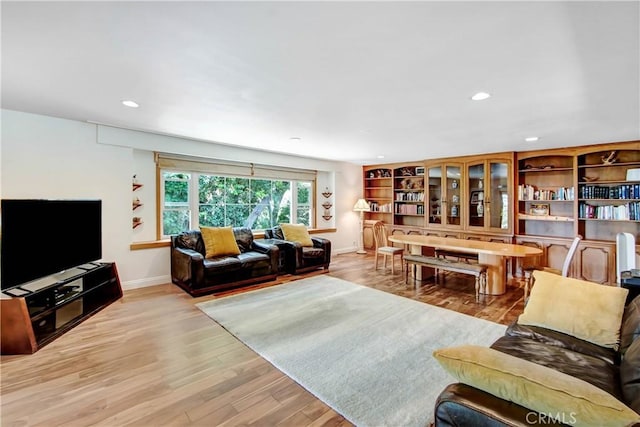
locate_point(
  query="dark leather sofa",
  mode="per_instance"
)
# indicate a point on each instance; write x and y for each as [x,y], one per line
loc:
[257,262]
[616,372]
[297,258]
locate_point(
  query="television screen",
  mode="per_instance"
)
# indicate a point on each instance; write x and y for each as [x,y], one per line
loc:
[44,237]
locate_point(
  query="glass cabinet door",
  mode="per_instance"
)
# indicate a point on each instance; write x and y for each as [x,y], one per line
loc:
[476,193]
[488,195]
[434,200]
[498,216]
[453,195]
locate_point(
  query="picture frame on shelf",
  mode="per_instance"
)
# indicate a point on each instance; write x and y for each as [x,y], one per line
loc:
[539,209]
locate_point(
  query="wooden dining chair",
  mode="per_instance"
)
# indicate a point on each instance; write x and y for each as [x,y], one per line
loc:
[564,272]
[384,248]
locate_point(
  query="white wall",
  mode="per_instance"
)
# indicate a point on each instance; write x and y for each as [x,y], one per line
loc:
[46,157]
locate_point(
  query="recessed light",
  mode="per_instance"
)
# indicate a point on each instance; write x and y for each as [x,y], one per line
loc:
[480,96]
[380,157]
[531,138]
[130,103]
[295,138]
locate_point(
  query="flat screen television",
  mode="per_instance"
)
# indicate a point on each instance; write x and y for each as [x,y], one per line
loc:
[44,237]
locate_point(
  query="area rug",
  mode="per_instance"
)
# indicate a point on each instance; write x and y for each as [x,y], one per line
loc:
[365,353]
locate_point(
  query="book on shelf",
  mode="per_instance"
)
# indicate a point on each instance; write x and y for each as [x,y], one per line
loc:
[628,211]
[379,207]
[528,192]
[621,192]
[410,209]
[410,197]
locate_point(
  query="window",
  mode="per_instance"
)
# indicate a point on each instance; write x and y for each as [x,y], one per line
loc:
[193,199]
[176,208]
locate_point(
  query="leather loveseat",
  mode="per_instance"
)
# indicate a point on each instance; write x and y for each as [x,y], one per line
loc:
[198,275]
[297,257]
[615,371]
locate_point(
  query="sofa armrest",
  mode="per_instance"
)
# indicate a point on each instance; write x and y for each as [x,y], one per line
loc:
[462,405]
[272,251]
[187,266]
[562,340]
[320,242]
[262,247]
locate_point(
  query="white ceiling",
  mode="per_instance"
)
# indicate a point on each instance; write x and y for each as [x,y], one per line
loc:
[353,80]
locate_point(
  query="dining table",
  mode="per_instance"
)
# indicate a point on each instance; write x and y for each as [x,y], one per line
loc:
[493,255]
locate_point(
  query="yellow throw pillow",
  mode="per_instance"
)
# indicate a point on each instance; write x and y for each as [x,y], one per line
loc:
[539,388]
[219,241]
[296,233]
[585,310]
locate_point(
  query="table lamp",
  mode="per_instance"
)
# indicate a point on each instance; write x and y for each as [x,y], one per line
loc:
[361,206]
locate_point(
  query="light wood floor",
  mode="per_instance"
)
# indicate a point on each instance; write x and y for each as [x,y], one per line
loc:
[152,358]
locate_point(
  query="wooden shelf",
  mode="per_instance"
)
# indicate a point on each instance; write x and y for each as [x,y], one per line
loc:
[609,165]
[609,220]
[544,170]
[545,217]
[546,201]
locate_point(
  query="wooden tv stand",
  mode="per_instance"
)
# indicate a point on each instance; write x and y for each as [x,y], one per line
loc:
[35,313]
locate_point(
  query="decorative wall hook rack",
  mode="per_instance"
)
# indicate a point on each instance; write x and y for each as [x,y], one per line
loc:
[326,193]
[327,205]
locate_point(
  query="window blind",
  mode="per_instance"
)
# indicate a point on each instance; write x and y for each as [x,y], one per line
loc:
[222,167]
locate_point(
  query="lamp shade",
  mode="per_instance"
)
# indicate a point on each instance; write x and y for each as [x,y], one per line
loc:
[361,206]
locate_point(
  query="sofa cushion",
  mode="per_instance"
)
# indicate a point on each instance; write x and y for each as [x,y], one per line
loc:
[594,370]
[219,241]
[220,265]
[558,339]
[312,252]
[630,324]
[534,386]
[297,233]
[248,259]
[630,376]
[585,310]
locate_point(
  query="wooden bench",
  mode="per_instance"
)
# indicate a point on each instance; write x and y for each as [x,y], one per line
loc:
[477,270]
[454,254]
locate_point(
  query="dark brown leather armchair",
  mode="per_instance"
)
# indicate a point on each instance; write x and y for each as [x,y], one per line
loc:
[298,258]
[257,262]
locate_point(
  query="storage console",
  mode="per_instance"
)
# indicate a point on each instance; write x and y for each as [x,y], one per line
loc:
[35,313]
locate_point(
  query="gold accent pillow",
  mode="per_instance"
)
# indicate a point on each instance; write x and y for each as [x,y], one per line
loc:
[585,310]
[219,241]
[297,233]
[536,387]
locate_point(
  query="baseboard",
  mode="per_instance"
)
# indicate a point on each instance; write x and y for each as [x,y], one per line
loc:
[147,281]
[344,250]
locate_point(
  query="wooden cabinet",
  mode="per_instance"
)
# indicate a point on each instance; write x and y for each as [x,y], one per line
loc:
[378,191]
[609,191]
[546,193]
[596,262]
[545,197]
[554,252]
[36,313]
[444,195]
[408,191]
[579,191]
[488,194]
